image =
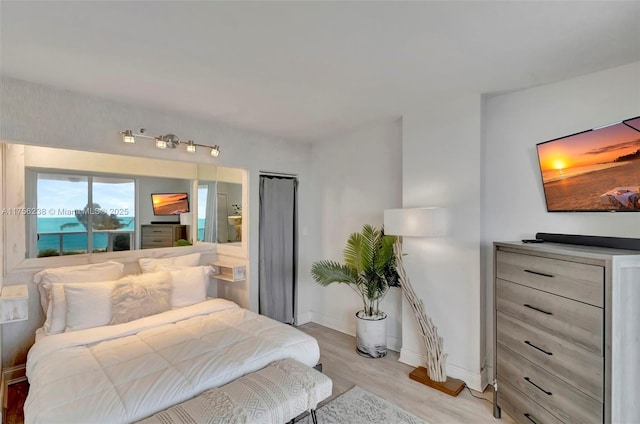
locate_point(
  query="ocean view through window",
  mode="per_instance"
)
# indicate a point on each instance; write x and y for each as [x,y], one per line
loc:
[82,213]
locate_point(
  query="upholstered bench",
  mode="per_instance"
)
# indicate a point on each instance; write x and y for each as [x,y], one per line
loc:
[278,393]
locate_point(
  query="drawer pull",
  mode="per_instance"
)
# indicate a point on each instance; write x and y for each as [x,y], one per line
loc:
[526,305]
[538,387]
[536,347]
[530,418]
[538,273]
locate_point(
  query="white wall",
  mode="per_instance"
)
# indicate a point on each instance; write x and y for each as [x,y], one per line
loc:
[441,167]
[513,198]
[356,177]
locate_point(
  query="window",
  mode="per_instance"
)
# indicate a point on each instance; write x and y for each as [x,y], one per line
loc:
[203,197]
[81,213]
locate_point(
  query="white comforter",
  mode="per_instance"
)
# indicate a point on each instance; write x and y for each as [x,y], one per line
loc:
[123,373]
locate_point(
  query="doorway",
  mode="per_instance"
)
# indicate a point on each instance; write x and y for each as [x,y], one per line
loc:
[278,247]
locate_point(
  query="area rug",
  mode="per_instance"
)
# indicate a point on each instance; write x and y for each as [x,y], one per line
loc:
[357,406]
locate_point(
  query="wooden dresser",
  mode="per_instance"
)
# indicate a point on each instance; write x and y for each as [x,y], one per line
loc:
[162,235]
[567,331]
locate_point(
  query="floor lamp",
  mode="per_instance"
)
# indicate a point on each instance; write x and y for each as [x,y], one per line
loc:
[422,222]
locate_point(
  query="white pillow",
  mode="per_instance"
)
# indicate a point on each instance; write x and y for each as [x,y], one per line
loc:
[150,264]
[139,296]
[56,320]
[189,285]
[88,305]
[104,271]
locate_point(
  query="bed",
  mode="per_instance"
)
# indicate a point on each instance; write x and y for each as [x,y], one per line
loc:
[124,372]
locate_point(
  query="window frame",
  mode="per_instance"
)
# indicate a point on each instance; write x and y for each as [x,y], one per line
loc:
[31,202]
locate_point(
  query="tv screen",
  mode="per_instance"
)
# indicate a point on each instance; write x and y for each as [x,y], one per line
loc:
[596,170]
[170,203]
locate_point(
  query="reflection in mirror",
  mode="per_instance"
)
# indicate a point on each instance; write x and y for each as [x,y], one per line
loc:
[94,202]
[96,214]
[205,201]
[223,207]
[229,212]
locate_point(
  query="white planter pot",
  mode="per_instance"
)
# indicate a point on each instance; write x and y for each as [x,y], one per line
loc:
[371,335]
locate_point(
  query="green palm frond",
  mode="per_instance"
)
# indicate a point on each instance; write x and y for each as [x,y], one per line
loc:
[370,267]
[386,254]
[353,252]
[327,272]
[370,240]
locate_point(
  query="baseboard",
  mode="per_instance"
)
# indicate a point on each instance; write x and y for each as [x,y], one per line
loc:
[485,372]
[332,323]
[304,318]
[473,380]
[11,375]
[394,343]
[484,379]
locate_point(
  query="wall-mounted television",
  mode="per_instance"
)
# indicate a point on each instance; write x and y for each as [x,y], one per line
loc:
[165,204]
[597,170]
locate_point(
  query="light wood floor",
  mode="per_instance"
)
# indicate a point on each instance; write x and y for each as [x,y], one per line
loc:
[389,379]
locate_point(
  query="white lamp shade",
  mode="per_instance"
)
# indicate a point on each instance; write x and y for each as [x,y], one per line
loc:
[186,218]
[416,222]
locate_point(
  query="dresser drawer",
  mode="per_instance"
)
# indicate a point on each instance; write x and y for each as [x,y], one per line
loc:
[157,231]
[576,366]
[154,244]
[160,238]
[582,282]
[568,319]
[561,399]
[522,409]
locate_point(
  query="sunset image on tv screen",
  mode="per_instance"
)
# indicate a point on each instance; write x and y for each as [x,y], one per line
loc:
[595,170]
[170,203]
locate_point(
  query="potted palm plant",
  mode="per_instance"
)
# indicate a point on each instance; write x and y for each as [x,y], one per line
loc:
[369,269]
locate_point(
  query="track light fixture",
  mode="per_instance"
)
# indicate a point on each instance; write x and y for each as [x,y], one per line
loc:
[168,141]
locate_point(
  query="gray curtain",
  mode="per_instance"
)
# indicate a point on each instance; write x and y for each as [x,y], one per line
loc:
[277,247]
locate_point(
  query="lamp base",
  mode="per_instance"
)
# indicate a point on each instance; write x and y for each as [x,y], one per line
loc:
[452,386]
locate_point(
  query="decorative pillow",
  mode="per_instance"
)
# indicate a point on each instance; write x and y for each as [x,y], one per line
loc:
[189,285]
[104,271]
[88,305]
[150,264]
[56,321]
[139,296]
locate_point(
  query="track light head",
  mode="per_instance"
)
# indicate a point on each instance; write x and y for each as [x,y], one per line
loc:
[215,151]
[161,143]
[127,136]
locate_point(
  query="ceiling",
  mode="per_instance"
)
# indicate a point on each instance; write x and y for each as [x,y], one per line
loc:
[309,70]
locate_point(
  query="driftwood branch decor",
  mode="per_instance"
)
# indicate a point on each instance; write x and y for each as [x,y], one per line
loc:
[436,358]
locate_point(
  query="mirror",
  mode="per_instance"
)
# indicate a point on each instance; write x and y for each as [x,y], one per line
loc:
[220,199]
[79,202]
[228,206]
